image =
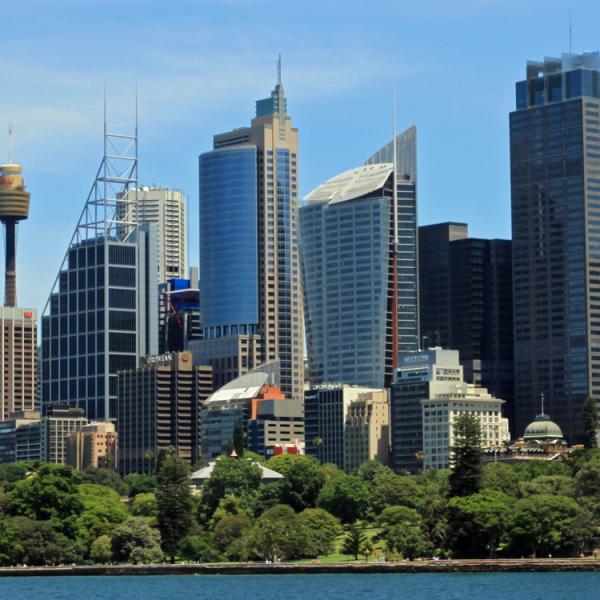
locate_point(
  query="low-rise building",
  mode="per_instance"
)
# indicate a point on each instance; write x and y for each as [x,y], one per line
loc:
[326,410]
[56,427]
[20,437]
[94,445]
[441,411]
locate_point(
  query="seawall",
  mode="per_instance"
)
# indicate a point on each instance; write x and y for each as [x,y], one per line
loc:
[421,566]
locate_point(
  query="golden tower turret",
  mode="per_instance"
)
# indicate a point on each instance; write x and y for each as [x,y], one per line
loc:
[14,207]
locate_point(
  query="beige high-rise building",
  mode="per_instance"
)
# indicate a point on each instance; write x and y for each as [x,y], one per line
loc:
[57,425]
[94,445]
[166,209]
[367,430]
[18,352]
[249,260]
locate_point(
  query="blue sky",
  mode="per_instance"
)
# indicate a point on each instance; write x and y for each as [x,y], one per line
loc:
[200,64]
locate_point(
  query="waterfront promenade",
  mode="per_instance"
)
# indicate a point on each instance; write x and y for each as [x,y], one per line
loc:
[417,566]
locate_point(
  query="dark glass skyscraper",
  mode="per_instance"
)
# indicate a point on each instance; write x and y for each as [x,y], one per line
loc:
[555,185]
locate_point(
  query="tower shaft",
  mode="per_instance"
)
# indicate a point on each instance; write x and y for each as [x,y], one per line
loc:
[10,273]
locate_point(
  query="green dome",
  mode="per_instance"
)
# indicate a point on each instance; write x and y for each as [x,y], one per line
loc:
[542,428]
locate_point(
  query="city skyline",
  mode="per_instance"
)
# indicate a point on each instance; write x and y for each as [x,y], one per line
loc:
[55,100]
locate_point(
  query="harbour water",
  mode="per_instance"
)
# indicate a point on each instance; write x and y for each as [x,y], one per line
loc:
[426,586]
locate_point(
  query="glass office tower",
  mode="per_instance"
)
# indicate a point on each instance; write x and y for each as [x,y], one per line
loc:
[555,185]
[353,311]
[250,287]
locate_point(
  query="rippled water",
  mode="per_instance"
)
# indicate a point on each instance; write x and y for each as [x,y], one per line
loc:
[422,586]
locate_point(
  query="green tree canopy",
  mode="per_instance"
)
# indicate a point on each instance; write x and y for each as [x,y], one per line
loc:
[322,529]
[302,481]
[231,477]
[229,536]
[136,541]
[465,478]
[353,540]
[101,550]
[345,497]
[553,485]
[369,469]
[278,534]
[173,501]
[500,477]
[539,525]
[107,477]
[389,489]
[478,522]
[198,548]
[144,505]
[139,483]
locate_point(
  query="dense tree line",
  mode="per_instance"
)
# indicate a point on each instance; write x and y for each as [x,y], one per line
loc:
[51,514]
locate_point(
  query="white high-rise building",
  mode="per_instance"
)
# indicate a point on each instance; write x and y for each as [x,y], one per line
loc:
[165,208]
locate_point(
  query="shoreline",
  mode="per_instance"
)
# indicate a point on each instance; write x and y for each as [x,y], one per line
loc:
[544,565]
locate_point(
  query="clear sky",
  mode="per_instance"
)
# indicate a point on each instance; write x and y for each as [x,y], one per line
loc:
[200,65]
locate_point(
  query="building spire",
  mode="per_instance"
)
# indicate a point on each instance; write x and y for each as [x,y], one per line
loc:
[10,145]
[279,69]
[542,401]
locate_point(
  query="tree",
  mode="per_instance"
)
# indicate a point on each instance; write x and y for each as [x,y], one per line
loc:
[302,481]
[388,489]
[102,511]
[354,539]
[198,548]
[539,525]
[231,477]
[367,548]
[107,477]
[278,535]
[500,477]
[238,441]
[174,502]
[370,468]
[101,550]
[322,528]
[345,497]
[478,522]
[465,478]
[144,505]
[37,543]
[139,483]
[587,480]
[401,530]
[553,485]
[49,494]
[136,541]
[229,536]
[590,423]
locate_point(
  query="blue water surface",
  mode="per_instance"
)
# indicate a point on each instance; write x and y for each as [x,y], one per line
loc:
[422,586]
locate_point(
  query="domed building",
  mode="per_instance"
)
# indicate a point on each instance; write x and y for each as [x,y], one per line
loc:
[542,429]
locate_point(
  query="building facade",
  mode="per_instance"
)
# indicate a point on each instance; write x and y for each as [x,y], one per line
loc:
[440,413]
[94,445]
[360,291]
[57,424]
[466,303]
[101,319]
[275,423]
[18,353]
[20,437]
[367,430]
[158,407]
[555,172]
[326,410]
[249,259]
[166,209]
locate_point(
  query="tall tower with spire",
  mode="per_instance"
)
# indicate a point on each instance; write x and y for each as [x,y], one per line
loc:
[18,336]
[14,207]
[250,286]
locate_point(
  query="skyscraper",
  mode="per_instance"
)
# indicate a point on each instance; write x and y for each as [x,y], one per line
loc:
[360,274]
[102,313]
[555,188]
[166,209]
[18,326]
[249,260]
[465,302]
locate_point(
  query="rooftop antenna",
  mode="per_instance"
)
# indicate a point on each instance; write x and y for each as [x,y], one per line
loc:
[542,400]
[395,153]
[10,145]
[570,33]
[279,69]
